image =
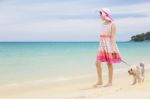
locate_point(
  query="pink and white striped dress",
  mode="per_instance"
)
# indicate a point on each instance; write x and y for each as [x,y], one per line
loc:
[106,51]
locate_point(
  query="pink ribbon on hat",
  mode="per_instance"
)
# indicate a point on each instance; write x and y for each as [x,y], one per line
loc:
[107,15]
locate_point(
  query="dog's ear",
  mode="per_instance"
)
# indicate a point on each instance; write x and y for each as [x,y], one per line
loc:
[134,67]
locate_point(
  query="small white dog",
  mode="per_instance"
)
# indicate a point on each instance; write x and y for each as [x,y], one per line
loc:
[137,71]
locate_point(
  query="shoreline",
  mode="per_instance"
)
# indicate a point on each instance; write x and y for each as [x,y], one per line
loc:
[61,80]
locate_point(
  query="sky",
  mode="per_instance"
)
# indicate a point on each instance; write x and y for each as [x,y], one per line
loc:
[70,20]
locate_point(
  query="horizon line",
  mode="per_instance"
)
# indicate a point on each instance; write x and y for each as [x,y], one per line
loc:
[50,41]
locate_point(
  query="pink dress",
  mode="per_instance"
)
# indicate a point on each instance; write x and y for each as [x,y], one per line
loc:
[106,52]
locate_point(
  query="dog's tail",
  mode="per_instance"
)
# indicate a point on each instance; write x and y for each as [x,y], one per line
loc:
[142,65]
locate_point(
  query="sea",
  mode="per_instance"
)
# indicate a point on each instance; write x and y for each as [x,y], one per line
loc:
[47,62]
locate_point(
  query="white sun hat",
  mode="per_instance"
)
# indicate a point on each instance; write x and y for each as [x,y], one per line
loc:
[106,13]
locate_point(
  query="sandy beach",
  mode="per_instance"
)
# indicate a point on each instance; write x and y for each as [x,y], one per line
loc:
[81,89]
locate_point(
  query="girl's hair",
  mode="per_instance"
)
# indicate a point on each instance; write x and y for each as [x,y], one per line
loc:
[100,12]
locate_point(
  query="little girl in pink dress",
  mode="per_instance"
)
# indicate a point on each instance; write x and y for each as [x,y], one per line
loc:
[108,51]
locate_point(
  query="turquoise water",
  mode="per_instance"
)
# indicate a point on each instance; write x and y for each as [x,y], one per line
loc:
[56,61]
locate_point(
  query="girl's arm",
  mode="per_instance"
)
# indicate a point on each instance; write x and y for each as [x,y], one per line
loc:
[113,35]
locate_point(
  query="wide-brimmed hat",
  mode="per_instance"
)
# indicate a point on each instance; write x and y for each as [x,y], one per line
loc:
[106,13]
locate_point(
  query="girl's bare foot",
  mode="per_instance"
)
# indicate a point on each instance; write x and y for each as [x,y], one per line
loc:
[108,85]
[97,84]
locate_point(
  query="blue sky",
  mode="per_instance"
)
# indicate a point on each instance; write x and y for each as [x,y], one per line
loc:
[69,20]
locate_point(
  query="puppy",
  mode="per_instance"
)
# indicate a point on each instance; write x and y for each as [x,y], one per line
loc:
[137,71]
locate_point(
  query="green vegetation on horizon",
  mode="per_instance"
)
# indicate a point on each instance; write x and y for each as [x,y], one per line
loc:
[141,37]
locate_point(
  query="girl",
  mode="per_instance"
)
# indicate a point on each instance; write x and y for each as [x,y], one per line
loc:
[108,51]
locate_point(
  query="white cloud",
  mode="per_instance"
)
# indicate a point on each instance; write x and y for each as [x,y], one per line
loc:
[53,29]
[142,8]
[44,21]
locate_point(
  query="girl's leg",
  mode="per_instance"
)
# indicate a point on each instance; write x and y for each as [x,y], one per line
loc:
[99,73]
[110,74]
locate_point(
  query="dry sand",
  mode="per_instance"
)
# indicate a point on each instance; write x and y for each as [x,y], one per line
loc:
[81,89]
